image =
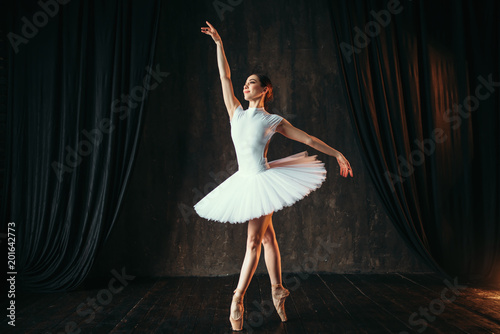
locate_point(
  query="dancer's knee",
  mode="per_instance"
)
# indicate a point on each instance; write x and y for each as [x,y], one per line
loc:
[254,241]
[268,239]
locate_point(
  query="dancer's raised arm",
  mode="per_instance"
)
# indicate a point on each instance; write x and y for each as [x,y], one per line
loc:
[230,100]
[289,131]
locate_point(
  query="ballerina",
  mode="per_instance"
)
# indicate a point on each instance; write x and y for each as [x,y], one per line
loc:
[259,188]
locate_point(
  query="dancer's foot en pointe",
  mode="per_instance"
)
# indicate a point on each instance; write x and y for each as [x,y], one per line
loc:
[236,311]
[279,295]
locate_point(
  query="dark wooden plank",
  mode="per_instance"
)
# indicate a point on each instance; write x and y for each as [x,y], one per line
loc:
[301,315]
[62,319]
[394,299]
[221,322]
[98,303]
[168,314]
[161,289]
[420,298]
[482,298]
[329,307]
[181,309]
[310,308]
[319,303]
[163,316]
[122,303]
[477,314]
[367,315]
[209,289]
[53,313]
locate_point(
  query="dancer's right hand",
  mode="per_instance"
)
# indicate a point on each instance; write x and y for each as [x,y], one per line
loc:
[345,166]
[212,32]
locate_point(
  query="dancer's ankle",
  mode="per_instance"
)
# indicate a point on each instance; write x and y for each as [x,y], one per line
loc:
[238,292]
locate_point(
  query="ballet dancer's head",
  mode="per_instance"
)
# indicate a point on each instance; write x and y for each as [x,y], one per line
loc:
[258,87]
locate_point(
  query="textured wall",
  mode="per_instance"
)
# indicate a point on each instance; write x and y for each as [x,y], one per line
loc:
[186,149]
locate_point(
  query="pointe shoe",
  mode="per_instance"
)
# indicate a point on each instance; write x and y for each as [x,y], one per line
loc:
[237,310]
[279,295]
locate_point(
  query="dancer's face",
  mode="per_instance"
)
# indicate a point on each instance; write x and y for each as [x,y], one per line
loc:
[253,89]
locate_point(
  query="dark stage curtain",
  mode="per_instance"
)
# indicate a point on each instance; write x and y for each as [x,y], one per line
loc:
[422,79]
[80,72]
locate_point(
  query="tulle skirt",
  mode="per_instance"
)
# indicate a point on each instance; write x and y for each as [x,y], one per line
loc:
[242,197]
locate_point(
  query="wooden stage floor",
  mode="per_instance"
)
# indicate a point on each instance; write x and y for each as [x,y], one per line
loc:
[318,303]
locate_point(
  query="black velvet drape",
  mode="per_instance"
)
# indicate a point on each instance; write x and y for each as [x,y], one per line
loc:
[422,81]
[79,79]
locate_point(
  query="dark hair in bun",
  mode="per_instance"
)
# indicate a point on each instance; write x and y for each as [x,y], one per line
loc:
[266,82]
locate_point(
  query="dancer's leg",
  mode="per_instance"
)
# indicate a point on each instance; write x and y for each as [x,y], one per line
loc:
[256,229]
[272,254]
[273,263]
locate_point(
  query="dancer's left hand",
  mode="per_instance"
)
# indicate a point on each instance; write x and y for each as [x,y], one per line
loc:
[211,32]
[345,166]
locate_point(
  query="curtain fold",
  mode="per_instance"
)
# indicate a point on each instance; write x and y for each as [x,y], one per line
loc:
[77,94]
[421,80]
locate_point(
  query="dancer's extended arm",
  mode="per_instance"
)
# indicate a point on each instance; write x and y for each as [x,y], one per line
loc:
[289,131]
[230,100]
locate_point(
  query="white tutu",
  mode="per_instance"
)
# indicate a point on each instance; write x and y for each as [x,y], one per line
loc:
[258,187]
[243,197]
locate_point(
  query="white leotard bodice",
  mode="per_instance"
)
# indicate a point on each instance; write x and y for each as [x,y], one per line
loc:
[251,131]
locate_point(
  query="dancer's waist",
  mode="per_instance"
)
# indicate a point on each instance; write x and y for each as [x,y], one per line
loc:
[248,165]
